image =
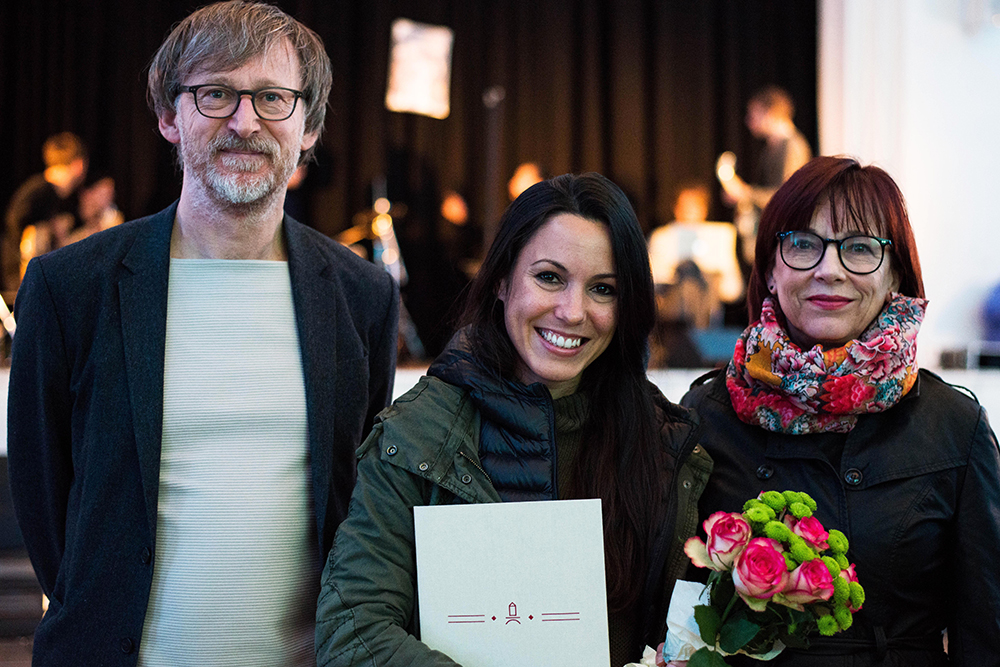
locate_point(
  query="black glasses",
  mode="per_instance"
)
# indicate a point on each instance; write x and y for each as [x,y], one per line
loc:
[217,101]
[859,254]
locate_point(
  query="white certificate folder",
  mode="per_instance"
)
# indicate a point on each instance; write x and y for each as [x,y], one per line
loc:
[503,584]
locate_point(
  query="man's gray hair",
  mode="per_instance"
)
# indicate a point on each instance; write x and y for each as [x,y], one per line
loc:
[225,36]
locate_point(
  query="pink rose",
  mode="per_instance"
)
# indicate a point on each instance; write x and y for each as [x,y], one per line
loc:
[727,534]
[809,529]
[850,576]
[760,572]
[807,583]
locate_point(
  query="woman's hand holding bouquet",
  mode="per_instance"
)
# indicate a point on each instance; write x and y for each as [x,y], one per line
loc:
[777,577]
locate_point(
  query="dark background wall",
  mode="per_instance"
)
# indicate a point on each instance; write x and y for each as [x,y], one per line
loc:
[647,92]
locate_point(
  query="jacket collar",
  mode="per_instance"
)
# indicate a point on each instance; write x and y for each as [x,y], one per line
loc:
[142,290]
[316,293]
[513,406]
[445,452]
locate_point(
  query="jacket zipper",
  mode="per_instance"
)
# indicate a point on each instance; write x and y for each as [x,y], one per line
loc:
[477,466]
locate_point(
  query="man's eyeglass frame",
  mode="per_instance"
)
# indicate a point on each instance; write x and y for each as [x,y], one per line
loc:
[239,97]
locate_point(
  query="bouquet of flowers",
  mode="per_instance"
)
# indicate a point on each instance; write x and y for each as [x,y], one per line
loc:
[777,577]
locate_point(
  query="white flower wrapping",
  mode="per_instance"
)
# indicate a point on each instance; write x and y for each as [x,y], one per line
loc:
[683,635]
[648,659]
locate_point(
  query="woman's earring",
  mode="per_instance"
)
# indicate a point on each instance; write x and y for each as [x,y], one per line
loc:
[770,288]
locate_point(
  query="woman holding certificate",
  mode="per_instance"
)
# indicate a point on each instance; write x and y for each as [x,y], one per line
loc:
[541,395]
[823,396]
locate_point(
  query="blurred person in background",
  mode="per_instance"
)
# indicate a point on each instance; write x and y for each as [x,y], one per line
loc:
[97,210]
[43,210]
[770,114]
[695,270]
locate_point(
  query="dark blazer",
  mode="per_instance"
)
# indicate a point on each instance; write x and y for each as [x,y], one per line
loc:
[85,415]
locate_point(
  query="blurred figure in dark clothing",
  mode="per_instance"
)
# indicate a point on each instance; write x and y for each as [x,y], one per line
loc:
[769,117]
[433,285]
[97,210]
[43,210]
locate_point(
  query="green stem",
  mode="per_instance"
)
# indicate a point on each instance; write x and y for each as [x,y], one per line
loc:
[729,607]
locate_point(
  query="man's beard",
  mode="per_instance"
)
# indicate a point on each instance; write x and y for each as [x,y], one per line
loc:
[238,184]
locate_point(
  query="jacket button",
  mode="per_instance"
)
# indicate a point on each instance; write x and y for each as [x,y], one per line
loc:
[423,467]
[686,484]
[853,477]
[696,450]
[466,478]
[390,450]
[126,645]
[146,555]
[765,472]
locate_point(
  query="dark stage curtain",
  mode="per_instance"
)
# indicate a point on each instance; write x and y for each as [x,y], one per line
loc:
[647,92]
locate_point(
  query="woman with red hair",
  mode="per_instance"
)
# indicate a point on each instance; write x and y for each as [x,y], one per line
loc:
[823,395]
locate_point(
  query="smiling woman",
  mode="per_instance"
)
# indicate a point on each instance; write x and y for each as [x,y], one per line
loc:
[560,302]
[823,395]
[829,298]
[542,395]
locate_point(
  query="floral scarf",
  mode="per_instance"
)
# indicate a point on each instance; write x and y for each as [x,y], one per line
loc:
[775,385]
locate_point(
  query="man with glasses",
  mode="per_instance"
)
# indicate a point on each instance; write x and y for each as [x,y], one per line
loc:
[184,412]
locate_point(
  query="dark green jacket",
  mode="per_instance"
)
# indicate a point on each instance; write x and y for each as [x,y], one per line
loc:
[424,451]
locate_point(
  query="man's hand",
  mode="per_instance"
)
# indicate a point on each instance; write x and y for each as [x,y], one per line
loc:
[735,190]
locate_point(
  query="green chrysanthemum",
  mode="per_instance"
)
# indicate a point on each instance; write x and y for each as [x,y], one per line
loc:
[857,595]
[843,617]
[832,565]
[842,561]
[837,541]
[799,510]
[753,502]
[790,562]
[841,590]
[828,626]
[792,497]
[760,514]
[807,500]
[778,531]
[774,500]
[801,551]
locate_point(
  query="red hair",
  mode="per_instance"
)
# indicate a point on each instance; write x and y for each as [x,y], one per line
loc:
[863,198]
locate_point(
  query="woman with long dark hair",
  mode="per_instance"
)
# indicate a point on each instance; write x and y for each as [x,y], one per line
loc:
[824,395]
[541,395]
